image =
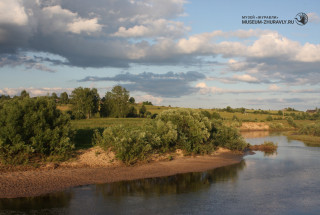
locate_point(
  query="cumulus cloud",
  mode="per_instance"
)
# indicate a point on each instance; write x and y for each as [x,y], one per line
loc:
[245,78]
[164,85]
[67,21]
[274,87]
[121,33]
[154,28]
[313,17]
[150,98]
[13,12]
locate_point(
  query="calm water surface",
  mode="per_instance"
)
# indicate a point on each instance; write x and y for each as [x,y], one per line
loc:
[284,183]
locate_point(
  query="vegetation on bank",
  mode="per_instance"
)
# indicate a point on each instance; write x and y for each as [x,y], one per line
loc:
[52,127]
[267,147]
[183,129]
[309,134]
[32,128]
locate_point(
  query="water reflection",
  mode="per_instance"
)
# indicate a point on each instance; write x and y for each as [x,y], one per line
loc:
[254,134]
[54,200]
[181,183]
[286,183]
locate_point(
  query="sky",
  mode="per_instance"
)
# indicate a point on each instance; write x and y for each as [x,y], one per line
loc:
[195,53]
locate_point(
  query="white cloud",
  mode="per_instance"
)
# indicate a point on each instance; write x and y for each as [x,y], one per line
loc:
[274,87]
[153,28]
[150,98]
[12,12]
[204,89]
[313,17]
[84,25]
[63,20]
[245,78]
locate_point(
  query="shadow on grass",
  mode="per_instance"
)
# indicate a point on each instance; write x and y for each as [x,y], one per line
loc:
[83,137]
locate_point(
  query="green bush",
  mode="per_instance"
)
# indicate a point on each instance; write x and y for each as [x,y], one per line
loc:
[269,118]
[313,129]
[33,127]
[291,122]
[276,126]
[177,128]
[228,137]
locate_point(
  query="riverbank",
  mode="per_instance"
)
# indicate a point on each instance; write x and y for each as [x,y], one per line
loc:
[309,140]
[40,181]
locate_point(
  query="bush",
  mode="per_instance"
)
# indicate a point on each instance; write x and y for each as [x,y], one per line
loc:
[269,118]
[291,122]
[31,128]
[228,137]
[276,126]
[178,128]
[215,115]
[313,130]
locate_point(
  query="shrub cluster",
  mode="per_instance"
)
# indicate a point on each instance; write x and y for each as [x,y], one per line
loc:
[313,129]
[33,127]
[177,128]
[276,126]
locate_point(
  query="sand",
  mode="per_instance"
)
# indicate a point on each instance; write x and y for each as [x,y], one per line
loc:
[95,167]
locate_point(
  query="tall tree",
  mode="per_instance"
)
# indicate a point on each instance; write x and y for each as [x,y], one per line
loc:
[85,102]
[142,110]
[116,103]
[24,94]
[54,96]
[132,100]
[64,98]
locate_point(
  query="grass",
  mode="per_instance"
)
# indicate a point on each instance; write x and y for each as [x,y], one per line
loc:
[64,108]
[84,128]
[307,139]
[105,122]
[268,147]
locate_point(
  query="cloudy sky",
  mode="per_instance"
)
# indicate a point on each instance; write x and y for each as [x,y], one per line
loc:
[194,53]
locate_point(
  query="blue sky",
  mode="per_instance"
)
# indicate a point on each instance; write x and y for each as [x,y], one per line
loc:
[170,52]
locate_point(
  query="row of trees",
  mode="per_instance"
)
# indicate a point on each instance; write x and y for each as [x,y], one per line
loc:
[116,103]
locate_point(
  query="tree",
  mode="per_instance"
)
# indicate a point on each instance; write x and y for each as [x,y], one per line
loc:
[143,110]
[33,127]
[147,103]
[24,94]
[132,112]
[64,98]
[54,96]
[132,100]
[116,103]
[85,102]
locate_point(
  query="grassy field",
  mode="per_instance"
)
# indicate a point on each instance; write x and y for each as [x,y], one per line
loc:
[84,128]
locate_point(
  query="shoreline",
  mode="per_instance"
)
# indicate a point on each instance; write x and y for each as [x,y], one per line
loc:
[33,183]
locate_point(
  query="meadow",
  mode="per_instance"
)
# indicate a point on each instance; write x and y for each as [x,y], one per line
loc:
[84,128]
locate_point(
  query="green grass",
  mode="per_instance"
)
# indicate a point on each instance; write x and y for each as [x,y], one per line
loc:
[306,139]
[84,128]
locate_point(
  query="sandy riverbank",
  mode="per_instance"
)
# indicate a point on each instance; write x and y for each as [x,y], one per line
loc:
[41,181]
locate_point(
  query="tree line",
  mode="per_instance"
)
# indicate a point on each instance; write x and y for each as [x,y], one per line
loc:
[86,103]
[116,103]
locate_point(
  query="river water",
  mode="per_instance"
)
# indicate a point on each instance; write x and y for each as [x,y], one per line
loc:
[287,182]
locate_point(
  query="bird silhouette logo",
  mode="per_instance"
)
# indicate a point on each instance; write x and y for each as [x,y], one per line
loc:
[301,18]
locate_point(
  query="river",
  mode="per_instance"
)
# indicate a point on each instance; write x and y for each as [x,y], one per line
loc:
[287,182]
